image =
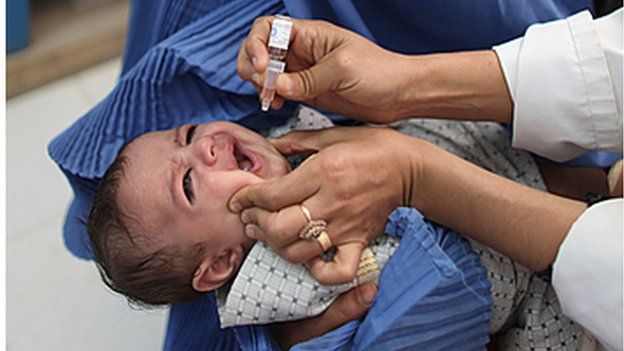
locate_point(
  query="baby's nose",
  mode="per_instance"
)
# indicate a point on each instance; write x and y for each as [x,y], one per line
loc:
[203,150]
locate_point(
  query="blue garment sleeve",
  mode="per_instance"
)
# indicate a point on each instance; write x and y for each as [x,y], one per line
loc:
[596,158]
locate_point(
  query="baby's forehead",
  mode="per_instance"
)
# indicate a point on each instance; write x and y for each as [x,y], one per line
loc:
[142,143]
[142,184]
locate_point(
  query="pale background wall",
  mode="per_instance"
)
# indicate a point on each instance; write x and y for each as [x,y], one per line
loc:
[54,300]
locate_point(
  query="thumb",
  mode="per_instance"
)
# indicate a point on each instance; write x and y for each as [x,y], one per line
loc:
[308,83]
[297,142]
[341,269]
[276,194]
[313,141]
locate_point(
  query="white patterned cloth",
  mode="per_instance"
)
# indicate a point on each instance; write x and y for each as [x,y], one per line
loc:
[270,289]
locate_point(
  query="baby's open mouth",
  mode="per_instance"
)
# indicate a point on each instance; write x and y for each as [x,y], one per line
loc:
[244,162]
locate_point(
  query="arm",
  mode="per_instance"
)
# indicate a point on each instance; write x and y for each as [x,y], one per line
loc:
[563,76]
[526,224]
[464,86]
[342,72]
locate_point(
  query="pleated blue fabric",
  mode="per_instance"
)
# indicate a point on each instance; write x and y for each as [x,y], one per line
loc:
[433,295]
[189,77]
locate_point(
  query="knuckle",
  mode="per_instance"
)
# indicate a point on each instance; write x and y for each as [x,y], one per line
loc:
[247,195]
[334,168]
[259,20]
[308,85]
[317,23]
[332,164]
[344,60]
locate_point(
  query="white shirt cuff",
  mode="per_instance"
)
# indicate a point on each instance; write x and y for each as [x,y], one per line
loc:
[508,58]
[587,273]
[564,99]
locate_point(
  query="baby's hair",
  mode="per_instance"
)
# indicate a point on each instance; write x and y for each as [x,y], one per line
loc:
[124,259]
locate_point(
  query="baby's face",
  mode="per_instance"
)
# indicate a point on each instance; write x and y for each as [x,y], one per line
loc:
[177,183]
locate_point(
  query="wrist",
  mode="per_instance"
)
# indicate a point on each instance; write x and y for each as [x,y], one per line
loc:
[467,86]
[409,93]
[415,182]
[524,223]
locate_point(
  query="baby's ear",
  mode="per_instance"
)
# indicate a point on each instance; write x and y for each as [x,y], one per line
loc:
[214,271]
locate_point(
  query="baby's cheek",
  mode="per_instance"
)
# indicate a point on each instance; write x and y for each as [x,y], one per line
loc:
[227,183]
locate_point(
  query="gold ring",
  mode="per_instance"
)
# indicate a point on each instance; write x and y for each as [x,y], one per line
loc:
[312,229]
[324,240]
[306,213]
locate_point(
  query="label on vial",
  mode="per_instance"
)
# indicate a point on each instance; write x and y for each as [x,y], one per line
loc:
[280,33]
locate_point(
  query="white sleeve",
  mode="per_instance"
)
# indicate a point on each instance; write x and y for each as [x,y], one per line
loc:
[587,273]
[565,79]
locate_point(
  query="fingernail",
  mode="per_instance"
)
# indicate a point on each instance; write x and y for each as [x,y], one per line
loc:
[256,78]
[244,217]
[250,231]
[235,207]
[254,62]
[366,293]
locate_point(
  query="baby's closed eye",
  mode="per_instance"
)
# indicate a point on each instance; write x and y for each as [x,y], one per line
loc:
[187,186]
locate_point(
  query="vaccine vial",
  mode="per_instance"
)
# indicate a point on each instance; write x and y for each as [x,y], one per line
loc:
[278,47]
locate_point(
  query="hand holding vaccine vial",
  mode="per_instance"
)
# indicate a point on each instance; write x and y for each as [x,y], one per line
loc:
[278,46]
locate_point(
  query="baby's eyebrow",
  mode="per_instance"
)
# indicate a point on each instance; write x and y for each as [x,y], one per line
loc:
[178,132]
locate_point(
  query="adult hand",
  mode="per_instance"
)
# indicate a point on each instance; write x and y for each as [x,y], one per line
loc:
[349,306]
[329,67]
[342,72]
[359,176]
